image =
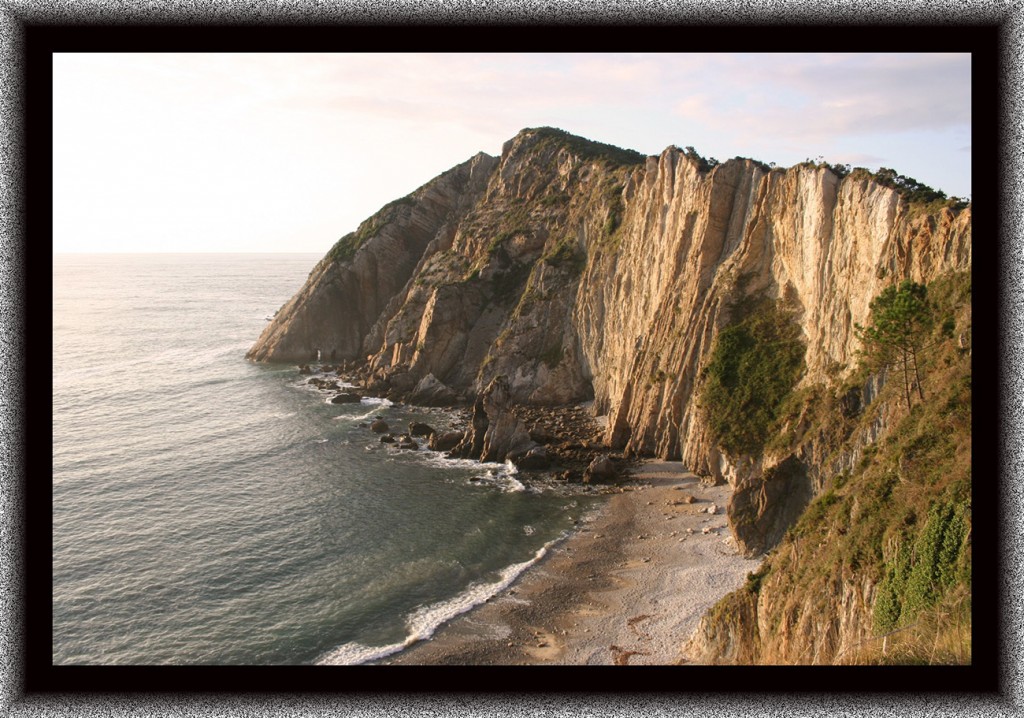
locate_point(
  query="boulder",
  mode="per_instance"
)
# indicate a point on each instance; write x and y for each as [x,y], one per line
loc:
[601,469]
[346,398]
[417,428]
[401,381]
[379,426]
[387,438]
[304,369]
[406,442]
[534,459]
[446,441]
[506,434]
[430,391]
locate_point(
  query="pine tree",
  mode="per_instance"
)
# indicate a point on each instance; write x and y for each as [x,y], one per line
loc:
[901,322]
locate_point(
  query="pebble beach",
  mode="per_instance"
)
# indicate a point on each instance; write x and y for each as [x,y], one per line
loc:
[628,587]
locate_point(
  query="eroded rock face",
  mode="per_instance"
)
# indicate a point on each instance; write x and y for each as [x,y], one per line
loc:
[579,273]
[348,290]
[765,504]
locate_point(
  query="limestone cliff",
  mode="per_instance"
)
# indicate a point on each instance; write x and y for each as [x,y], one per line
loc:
[567,270]
[877,569]
[582,271]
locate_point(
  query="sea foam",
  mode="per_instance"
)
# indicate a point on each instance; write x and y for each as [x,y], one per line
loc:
[423,622]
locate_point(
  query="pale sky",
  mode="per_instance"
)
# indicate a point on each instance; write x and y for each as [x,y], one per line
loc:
[288,152]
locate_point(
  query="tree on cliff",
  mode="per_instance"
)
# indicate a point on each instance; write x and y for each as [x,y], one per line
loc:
[901,322]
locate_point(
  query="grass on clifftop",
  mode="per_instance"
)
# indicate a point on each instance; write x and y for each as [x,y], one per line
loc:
[585,149]
[346,247]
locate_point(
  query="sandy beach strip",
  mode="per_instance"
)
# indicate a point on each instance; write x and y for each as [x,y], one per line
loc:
[628,588]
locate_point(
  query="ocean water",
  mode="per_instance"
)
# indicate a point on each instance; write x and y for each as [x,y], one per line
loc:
[209,510]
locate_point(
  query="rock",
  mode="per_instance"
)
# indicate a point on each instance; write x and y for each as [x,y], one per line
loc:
[446,441]
[495,432]
[765,504]
[379,426]
[387,438]
[346,398]
[304,369]
[432,392]
[471,446]
[417,428]
[602,469]
[712,509]
[534,459]
[541,436]
[401,381]
[408,444]
[506,433]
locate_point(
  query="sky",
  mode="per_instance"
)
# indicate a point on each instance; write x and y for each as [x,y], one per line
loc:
[288,152]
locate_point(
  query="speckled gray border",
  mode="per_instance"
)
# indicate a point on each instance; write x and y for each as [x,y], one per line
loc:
[13,15]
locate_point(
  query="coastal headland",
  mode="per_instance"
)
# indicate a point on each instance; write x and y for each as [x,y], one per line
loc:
[735,318]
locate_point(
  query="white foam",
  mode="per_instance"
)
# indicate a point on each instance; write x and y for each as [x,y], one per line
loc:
[423,622]
[377,401]
[357,417]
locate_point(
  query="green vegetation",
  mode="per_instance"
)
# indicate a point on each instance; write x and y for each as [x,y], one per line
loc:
[911,190]
[567,255]
[754,365]
[901,322]
[586,149]
[838,169]
[926,566]
[616,209]
[703,164]
[895,526]
[346,247]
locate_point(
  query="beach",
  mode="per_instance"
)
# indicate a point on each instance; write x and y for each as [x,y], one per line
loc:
[628,587]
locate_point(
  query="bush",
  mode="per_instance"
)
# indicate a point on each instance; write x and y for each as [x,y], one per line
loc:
[753,367]
[346,247]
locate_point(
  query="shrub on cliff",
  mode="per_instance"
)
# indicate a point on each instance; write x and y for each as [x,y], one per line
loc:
[754,365]
[901,321]
[879,567]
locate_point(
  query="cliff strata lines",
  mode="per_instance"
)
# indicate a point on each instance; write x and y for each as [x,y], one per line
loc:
[567,270]
[582,271]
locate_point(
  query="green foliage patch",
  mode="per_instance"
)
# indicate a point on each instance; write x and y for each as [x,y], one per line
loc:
[754,365]
[926,566]
[346,247]
[586,149]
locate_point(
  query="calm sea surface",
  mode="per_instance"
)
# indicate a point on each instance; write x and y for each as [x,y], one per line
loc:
[208,510]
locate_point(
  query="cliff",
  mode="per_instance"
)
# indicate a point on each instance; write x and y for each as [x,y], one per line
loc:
[567,270]
[878,568]
[582,271]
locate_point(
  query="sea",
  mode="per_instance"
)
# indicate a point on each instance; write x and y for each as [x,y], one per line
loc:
[215,511]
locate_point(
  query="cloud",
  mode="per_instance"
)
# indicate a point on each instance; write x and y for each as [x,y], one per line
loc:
[824,96]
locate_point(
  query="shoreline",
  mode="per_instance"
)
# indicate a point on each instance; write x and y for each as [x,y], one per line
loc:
[628,587]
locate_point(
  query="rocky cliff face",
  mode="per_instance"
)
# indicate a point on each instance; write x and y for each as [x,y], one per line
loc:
[582,271]
[567,271]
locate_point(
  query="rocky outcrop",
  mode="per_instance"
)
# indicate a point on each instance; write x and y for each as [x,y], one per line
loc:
[339,306]
[496,433]
[580,271]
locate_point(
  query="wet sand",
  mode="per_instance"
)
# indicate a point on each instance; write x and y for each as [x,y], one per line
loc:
[628,588]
